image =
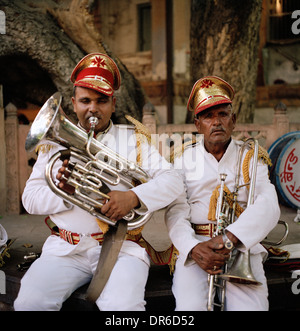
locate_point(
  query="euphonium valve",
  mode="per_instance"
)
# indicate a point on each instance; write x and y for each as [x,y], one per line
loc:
[93,167]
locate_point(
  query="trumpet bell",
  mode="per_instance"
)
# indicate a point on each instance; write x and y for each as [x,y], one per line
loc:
[240,271]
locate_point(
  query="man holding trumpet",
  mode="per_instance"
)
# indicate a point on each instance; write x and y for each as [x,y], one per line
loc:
[191,219]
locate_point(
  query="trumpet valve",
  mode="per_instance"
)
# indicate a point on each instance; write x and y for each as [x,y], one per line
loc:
[132,166]
[223,177]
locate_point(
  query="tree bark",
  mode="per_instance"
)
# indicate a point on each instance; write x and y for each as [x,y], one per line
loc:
[224,42]
[55,35]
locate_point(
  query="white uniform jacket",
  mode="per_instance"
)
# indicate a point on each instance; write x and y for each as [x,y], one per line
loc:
[163,188]
[201,174]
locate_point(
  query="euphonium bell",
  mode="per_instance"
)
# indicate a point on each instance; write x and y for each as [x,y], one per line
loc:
[93,165]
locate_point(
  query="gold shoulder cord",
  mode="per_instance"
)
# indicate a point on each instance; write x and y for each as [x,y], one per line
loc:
[44,148]
[169,256]
[263,156]
[142,133]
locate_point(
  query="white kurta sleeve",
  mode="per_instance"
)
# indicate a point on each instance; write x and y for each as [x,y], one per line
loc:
[181,233]
[261,217]
[37,197]
[177,218]
[164,186]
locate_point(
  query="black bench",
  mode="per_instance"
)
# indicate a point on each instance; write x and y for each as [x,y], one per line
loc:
[158,293]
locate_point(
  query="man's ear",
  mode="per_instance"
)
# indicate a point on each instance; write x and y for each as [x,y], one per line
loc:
[233,117]
[197,123]
[114,103]
[73,103]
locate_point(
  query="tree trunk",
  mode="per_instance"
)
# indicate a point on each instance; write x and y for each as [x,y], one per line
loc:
[224,42]
[43,42]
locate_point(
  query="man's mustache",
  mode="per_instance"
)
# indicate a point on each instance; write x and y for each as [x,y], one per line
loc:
[219,128]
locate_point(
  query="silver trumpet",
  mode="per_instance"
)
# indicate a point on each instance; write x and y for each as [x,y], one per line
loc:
[238,268]
[92,165]
[213,280]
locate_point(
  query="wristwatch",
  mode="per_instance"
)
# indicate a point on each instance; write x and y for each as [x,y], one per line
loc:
[227,242]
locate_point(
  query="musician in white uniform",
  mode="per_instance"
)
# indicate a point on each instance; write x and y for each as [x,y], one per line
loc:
[69,260]
[191,218]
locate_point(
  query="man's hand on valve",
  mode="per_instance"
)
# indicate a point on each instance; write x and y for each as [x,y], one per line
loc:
[62,174]
[212,254]
[208,258]
[115,208]
[119,204]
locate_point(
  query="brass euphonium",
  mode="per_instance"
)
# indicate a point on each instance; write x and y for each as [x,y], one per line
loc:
[239,268]
[93,165]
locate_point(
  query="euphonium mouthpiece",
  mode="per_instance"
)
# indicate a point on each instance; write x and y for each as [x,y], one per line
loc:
[93,122]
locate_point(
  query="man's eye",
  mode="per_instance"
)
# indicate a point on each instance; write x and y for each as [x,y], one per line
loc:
[224,115]
[85,101]
[102,100]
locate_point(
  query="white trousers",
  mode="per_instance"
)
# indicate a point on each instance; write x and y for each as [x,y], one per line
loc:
[52,279]
[190,288]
